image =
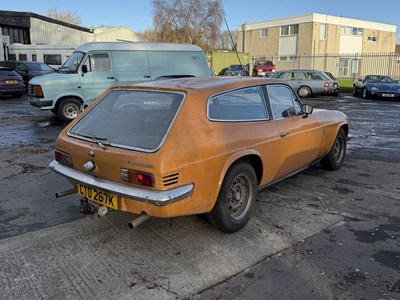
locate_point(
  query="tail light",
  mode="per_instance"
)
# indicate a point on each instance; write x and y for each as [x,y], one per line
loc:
[63,158]
[326,84]
[137,177]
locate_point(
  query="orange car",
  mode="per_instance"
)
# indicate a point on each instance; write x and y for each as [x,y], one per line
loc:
[194,145]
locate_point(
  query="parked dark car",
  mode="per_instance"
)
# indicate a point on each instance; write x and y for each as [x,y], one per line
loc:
[376,86]
[308,82]
[27,69]
[236,70]
[11,83]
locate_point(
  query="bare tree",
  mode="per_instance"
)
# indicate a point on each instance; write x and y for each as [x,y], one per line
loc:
[227,40]
[188,21]
[68,16]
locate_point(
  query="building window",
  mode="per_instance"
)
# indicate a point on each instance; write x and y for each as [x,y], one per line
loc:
[287,57]
[264,32]
[23,57]
[16,34]
[323,32]
[290,30]
[34,57]
[345,30]
[52,59]
[372,39]
[12,56]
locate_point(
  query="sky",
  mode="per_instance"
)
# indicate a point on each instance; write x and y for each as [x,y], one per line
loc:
[137,14]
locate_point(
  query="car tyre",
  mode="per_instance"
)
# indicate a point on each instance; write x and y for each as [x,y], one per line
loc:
[365,93]
[68,109]
[236,198]
[355,93]
[304,92]
[334,159]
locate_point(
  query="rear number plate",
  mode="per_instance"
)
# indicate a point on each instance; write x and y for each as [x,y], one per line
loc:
[97,196]
[387,95]
[11,81]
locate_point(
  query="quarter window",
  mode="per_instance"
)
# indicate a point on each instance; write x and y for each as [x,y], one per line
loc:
[284,103]
[241,105]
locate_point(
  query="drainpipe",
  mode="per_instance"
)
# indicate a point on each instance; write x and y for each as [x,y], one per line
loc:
[5,50]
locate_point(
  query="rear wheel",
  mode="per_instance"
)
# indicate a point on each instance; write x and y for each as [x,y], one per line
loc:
[304,92]
[335,157]
[68,109]
[236,198]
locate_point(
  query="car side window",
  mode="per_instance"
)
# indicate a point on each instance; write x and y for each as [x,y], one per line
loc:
[284,103]
[297,76]
[98,62]
[316,76]
[240,105]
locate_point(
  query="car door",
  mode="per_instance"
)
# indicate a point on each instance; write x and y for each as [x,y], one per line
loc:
[96,74]
[300,137]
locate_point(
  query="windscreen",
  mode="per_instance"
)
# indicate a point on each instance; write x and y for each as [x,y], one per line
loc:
[133,119]
[72,64]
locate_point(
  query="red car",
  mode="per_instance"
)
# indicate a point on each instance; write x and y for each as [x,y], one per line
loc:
[263,66]
[11,83]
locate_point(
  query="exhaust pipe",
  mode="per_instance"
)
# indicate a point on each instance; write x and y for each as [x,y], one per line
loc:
[65,193]
[138,220]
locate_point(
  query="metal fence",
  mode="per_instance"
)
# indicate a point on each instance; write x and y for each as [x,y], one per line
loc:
[343,66]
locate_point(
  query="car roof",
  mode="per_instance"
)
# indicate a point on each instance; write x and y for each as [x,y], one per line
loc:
[137,46]
[301,70]
[21,62]
[216,84]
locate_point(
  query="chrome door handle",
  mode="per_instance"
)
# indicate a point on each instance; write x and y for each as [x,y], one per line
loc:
[110,77]
[284,133]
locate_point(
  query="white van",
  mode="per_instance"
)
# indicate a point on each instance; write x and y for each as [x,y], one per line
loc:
[94,67]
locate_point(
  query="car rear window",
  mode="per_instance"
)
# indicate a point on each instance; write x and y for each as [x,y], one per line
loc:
[133,119]
[6,72]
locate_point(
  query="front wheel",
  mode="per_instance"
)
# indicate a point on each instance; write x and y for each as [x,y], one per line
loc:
[236,199]
[365,94]
[335,157]
[68,109]
[354,91]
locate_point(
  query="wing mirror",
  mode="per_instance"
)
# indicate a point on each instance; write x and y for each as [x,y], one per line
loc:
[306,109]
[84,69]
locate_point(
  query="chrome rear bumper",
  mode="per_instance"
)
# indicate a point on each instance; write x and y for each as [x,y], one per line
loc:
[158,198]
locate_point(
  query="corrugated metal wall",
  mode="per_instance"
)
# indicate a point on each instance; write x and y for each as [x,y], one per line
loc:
[43,32]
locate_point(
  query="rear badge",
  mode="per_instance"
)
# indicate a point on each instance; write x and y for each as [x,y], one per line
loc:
[89,166]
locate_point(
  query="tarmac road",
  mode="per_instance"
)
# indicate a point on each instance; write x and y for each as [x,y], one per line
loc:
[316,235]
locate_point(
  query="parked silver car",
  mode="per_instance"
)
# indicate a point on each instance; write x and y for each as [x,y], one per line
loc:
[308,82]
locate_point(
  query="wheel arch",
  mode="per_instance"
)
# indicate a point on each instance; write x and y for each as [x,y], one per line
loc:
[59,100]
[253,158]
